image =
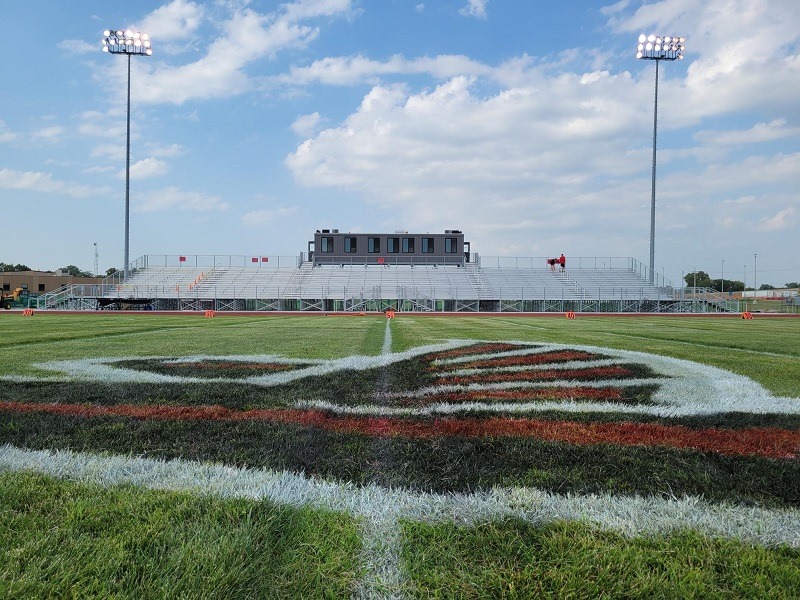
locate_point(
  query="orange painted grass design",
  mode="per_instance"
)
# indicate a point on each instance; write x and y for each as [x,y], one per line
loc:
[765,442]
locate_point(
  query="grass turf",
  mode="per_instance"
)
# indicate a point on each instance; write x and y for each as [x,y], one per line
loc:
[62,538]
[513,559]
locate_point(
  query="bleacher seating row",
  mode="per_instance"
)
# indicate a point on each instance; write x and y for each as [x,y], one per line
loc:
[387,282]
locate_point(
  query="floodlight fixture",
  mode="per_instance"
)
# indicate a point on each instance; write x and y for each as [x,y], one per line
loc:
[657,48]
[126,42]
[117,41]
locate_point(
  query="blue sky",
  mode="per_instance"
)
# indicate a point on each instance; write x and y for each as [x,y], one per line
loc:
[526,124]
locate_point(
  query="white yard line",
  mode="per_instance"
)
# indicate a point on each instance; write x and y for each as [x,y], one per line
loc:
[386,351]
[381,510]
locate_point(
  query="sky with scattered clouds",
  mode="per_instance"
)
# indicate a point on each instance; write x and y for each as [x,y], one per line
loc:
[528,125]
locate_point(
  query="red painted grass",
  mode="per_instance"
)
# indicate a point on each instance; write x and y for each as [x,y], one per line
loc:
[560,393]
[766,442]
[476,349]
[528,359]
[612,372]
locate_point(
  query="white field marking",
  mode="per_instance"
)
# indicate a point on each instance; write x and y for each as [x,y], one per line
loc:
[105,369]
[688,388]
[630,515]
[651,339]
[446,408]
[381,536]
[386,350]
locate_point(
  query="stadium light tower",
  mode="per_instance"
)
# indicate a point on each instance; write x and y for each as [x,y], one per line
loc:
[657,48]
[127,42]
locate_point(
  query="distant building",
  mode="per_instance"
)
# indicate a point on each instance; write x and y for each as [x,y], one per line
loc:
[41,282]
[330,247]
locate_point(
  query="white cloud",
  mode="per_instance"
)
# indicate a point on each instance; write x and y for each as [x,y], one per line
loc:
[79,46]
[5,134]
[257,218]
[246,37]
[760,132]
[733,60]
[100,170]
[307,9]
[172,25]
[115,152]
[358,69]
[784,219]
[167,151]
[537,159]
[474,8]
[44,183]
[147,168]
[173,198]
[48,134]
[306,125]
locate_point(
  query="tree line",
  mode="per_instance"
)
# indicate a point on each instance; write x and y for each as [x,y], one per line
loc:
[701,279]
[69,270]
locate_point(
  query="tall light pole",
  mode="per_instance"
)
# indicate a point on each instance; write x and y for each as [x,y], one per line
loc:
[657,48]
[723,276]
[127,42]
[755,276]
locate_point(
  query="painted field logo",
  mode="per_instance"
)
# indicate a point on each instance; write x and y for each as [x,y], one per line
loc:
[458,416]
[459,432]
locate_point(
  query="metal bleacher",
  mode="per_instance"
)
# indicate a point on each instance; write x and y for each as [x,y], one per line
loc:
[291,283]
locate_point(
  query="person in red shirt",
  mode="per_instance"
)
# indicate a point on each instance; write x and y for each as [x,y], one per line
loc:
[563,262]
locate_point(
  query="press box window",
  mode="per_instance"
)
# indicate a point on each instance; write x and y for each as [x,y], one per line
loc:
[408,245]
[427,245]
[41,287]
[373,245]
[392,245]
[451,245]
[326,244]
[349,245]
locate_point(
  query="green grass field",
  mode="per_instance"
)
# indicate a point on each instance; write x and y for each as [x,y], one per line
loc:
[281,457]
